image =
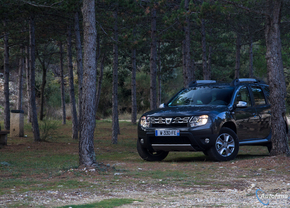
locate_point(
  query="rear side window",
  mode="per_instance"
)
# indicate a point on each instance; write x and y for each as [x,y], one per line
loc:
[267,92]
[258,95]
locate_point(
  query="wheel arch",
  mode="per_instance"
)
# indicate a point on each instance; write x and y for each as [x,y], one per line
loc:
[230,125]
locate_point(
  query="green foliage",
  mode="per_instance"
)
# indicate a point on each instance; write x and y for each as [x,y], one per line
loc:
[48,129]
[222,20]
[260,63]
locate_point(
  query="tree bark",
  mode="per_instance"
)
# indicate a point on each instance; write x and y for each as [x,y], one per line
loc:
[153,100]
[34,120]
[133,88]
[276,78]
[100,80]
[20,79]
[187,45]
[115,120]
[251,68]
[159,75]
[184,69]
[71,86]
[238,56]
[209,61]
[28,87]
[6,81]
[79,65]
[87,155]
[193,77]
[42,91]
[206,74]
[62,84]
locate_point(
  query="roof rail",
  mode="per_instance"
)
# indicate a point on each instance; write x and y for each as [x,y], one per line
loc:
[246,80]
[196,82]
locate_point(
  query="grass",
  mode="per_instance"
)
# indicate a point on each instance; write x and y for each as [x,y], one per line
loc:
[30,167]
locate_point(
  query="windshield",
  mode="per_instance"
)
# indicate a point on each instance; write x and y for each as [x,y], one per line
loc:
[203,95]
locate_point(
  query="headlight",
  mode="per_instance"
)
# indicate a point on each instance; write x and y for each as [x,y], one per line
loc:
[198,120]
[144,121]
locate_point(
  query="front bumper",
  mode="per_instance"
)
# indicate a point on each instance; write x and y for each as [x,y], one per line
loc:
[190,139]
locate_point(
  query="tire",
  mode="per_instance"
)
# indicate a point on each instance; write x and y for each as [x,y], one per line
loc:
[226,146]
[147,155]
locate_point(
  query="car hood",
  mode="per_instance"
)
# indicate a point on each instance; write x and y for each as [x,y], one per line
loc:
[186,111]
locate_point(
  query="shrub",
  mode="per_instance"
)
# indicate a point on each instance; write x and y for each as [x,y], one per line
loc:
[48,129]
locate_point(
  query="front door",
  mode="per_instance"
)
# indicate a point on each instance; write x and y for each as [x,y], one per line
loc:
[246,117]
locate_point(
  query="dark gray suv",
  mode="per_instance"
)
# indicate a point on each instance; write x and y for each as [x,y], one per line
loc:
[215,118]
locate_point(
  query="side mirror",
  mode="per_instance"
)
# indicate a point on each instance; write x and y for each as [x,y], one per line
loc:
[162,105]
[242,104]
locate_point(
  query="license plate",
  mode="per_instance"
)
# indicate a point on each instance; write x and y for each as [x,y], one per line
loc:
[167,132]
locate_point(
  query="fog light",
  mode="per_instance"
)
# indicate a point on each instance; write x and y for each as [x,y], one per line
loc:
[142,141]
[206,140]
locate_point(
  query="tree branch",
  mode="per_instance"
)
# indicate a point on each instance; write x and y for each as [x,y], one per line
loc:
[44,6]
[245,8]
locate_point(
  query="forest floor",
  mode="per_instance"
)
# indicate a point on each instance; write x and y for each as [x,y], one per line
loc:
[46,174]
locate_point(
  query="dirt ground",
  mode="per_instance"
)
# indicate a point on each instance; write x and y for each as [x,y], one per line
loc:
[178,181]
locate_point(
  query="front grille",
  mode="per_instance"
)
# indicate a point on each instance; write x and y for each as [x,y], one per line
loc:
[169,122]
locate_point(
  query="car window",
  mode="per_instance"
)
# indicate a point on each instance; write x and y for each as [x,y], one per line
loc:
[258,95]
[243,95]
[267,92]
[204,95]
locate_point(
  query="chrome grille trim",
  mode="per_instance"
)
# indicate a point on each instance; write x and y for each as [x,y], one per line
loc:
[175,120]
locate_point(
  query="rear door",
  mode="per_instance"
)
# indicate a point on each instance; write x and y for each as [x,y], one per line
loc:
[263,110]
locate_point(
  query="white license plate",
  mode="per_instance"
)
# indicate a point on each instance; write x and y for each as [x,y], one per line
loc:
[167,132]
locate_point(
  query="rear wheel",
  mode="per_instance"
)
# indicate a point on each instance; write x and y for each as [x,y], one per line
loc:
[145,154]
[226,146]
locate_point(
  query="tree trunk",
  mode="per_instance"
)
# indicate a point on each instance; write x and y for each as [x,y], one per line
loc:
[79,65]
[115,120]
[238,56]
[20,79]
[71,86]
[6,82]
[42,91]
[206,74]
[209,58]
[187,45]
[62,85]
[209,61]
[276,79]
[34,120]
[193,77]
[28,88]
[87,155]
[251,68]
[159,75]
[100,82]
[153,100]
[133,88]
[184,69]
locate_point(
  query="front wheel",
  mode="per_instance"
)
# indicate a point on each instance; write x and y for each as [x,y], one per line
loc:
[226,146]
[145,154]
